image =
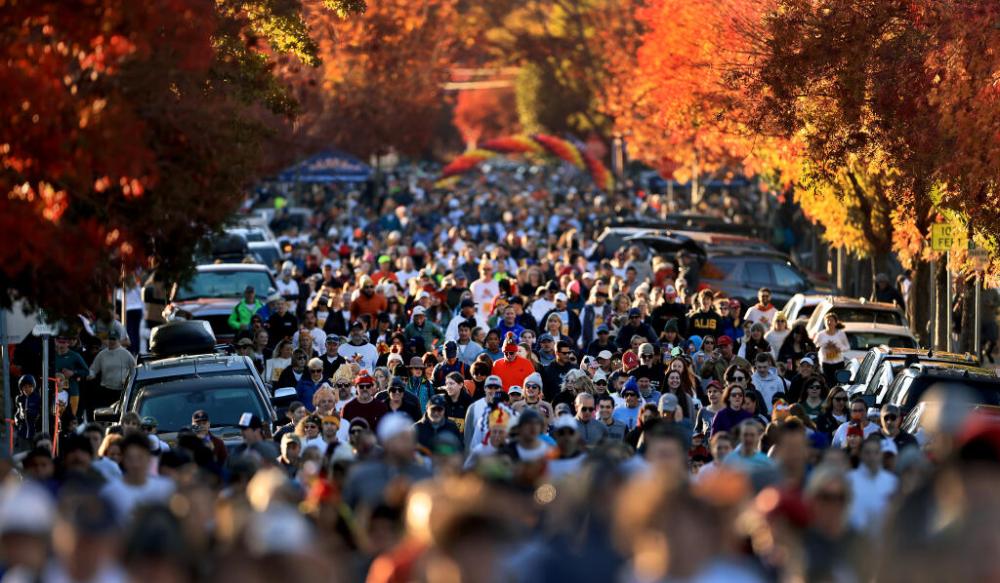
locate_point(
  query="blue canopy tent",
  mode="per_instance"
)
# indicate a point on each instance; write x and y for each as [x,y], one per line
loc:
[328,166]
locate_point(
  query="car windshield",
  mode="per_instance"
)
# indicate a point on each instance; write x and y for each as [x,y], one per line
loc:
[224,284]
[869,316]
[868,340]
[172,409]
[268,255]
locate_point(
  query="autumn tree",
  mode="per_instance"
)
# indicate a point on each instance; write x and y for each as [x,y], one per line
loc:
[912,79]
[380,85]
[131,129]
[675,101]
[484,113]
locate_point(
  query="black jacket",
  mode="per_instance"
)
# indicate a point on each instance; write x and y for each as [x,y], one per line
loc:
[427,432]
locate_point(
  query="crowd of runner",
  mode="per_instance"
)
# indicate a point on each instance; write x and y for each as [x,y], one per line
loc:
[484,394]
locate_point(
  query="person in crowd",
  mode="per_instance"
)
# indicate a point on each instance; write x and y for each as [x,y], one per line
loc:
[733,413]
[435,422]
[720,361]
[872,488]
[589,428]
[763,311]
[754,344]
[832,343]
[796,346]
[364,404]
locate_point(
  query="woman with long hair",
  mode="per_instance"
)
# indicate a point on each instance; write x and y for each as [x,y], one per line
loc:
[778,332]
[753,403]
[755,343]
[812,397]
[732,414]
[834,412]
[795,346]
[832,343]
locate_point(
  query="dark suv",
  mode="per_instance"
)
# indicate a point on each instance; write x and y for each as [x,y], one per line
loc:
[171,388]
[911,384]
[740,272]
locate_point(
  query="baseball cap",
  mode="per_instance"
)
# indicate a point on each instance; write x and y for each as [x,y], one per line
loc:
[669,290]
[199,415]
[416,362]
[604,355]
[394,425]
[450,348]
[626,390]
[419,311]
[634,312]
[360,422]
[384,259]
[565,422]
[515,389]
[244,342]
[493,381]
[249,289]
[27,380]
[630,359]
[289,438]
[26,508]
[249,421]
[332,338]
[646,349]
[546,338]
[807,360]
[603,329]
[148,421]
[113,334]
[467,303]
[394,356]
[668,402]
[724,341]
[561,297]
[438,401]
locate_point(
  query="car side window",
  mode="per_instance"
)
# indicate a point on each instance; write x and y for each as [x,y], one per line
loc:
[863,370]
[720,268]
[758,273]
[902,391]
[786,277]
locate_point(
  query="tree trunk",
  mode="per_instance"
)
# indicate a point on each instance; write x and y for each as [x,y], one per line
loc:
[941,306]
[918,305]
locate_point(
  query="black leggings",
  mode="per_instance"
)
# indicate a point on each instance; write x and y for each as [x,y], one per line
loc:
[830,371]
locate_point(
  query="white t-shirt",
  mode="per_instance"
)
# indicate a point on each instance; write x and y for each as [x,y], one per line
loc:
[758,315]
[840,435]
[831,347]
[125,497]
[288,289]
[483,293]
[536,453]
[319,340]
[870,495]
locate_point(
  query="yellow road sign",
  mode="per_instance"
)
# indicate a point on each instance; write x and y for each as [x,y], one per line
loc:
[944,237]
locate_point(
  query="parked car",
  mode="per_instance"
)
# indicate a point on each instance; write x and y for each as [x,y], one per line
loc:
[739,273]
[871,365]
[214,291]
[855,311]
[664,244]
[863,337]
[252,234]
[801,306]
[912,383]
[925,418]
[171,389]
[267,253]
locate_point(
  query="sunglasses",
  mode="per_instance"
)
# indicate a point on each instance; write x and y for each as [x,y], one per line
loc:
[532,386]
[890,417]
[739,378]
[564,432]
[587,409]
[601,383]
[311,426]
[736,394]
[342,385]
[565,352]
[841,399]
[365,386]
[396,390]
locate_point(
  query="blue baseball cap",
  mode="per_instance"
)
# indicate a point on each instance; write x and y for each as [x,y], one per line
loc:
[26,380]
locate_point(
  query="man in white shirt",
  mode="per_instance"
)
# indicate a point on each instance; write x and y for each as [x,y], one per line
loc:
[484,289]
[137,486]
[763,311]
[766,380]
[543,303]
[466,312]
[872,487]
[288,287]
[859,415]
[359,349]
[114,365]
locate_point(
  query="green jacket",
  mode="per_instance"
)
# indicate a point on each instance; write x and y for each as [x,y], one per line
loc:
[239,319]
[430,333]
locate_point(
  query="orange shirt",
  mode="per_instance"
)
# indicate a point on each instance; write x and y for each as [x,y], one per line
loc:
[513,373]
